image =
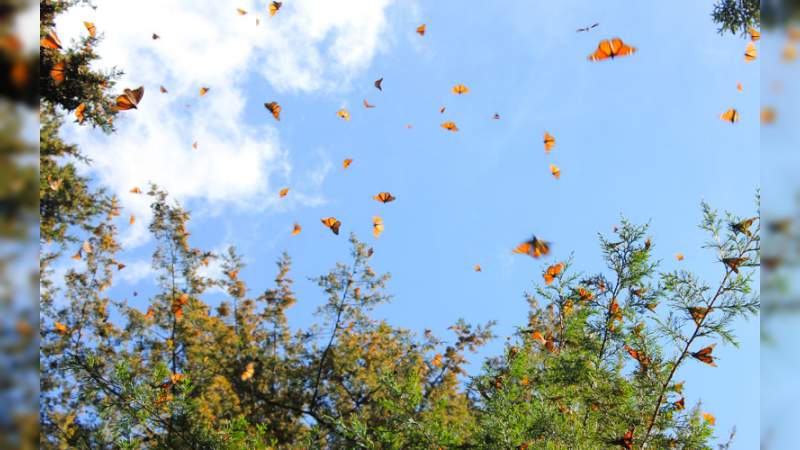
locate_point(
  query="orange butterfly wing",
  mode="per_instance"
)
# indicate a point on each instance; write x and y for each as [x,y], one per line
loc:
[57,73]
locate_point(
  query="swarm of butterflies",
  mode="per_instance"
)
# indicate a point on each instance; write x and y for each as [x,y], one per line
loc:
[535,247]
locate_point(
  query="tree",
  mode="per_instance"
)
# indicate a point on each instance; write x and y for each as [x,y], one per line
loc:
[736,16]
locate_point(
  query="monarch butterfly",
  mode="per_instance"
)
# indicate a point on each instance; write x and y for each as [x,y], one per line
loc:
[55,185]
[496,116]
[643,360]
[61,328]
[57,73]
[204,91]
[549,142]
[611,49]
[750,52]
[533,248]
[384,197]
[585,295]
[346,163]
[51,41]
[626,441]
[708,417]
[743,227]
[275,109]
[241,11]
[552,272]
[378,84]
[704,355]
[460,89]
[478,268]
[754,34]
[274,7]
[680,404]
[130,99]
[283,192]
[441,110]
[698,313]
[162,89]
[421,30]
[555,171]
[377,226]
[734,263]
[296,229]
[136,190]
[367,104]
[767,115]
[594,25]
[730,115]
[537,336]
[739,87]
[343,114]
[90,28]
[450,126]
[679,256]
[249,371]
[149,313]
[155,36]
[194,145]
[80,112]
[132,220]
[332,223]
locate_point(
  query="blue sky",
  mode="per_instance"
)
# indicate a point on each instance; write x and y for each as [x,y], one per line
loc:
[638,136]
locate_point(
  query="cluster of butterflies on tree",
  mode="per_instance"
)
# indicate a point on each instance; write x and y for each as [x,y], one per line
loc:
[535,247]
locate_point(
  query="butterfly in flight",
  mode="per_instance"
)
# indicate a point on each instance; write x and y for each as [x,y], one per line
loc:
[754,34]
[708,417]
[730,115]
[332,223]
[343,114]
[767,115]
[611,49]
[367,104]
[704,355]
[80,112]
[534,248]
[377,226]
[555,171]
[162,89]
[51,41]
[204,91]
[296,229]
[378,83]
[478,268]
[594,25]
[283,192]
[750,52]
[90,28]
[129,99]
[384,197]
[549,142]
[346,163]
[241,11]
[460,89]
[421,30]
[155,36]
[496,116]
[275,109]
[274,7]
[442,109]
[451,126]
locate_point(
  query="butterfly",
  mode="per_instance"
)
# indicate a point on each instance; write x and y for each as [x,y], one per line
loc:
[377,226]
[450,126]
[249,371]
[421,30]
[730,115]
[496,116]
[644,361]
[241,11]
[86,247]
[584,294]
[789,53]
[704,355]
[346,163]
[162,89]
[136,190]
[534,248]
[51,41]
[743,227]
[283,192]
[275,109]
[626,441]
[555,171]
[343,114]
[552,272]
[698,313]
[332,223]
[129,99]
[194,145]
[441,110]
[132,220]
[750,52]
[203,91]
[767,115]
[708,417]
[594,25]
[478,268]
[57,73]
[680,404]
[55,185]
[378,84]
[80,112]
[274,7]
[367,104]
[734,263]
[549,142]
[739,87]
[460,89]
[149,314]
[384,197]
[611,49]
[754,34]
[90,28]
[61,328]
[296,229]
[155,36]
[679,256]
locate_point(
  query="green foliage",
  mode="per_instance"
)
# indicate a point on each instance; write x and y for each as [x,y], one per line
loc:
[736,16]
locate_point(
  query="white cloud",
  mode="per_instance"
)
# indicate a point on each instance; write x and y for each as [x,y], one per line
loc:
[136,271]
[309,45]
